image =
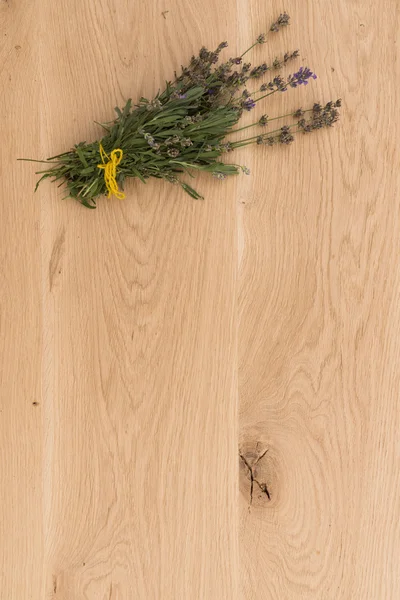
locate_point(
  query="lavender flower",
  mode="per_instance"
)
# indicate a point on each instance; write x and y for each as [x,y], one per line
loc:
[258,71]
[223,70]
[277,64]
[151,141]
[301,77]
[285,137]
[262,38]
[177,95]
[154,104]
[277,84]
[227,147]
[206,56]
[291,56]
[186,142]
[203,53]
[234,80]
[281,21]
[248,104]
[320,117]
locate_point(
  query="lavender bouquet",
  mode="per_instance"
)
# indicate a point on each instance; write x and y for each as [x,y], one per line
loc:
[187,127]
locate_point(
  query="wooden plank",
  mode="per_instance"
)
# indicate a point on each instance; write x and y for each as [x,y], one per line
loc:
[139,296]
[21,542]
[119,350]
[319,322]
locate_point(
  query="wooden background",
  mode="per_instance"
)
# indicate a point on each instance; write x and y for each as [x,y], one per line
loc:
[159,352]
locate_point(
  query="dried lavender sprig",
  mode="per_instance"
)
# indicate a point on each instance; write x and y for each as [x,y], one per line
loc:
[264,120]
[236,80]
[253,139]
[256,43]
[199,71]
[276,64]
[321,117]
[278,84]
[282,21]
[279,63]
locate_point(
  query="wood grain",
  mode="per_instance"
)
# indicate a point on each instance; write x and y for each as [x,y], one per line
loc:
[136,477]
[21,430]
[200,400]
[318,325]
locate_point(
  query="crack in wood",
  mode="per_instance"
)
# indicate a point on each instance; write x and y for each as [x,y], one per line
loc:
[263,486]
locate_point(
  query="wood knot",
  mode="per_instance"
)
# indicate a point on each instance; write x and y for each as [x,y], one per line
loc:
[255,474]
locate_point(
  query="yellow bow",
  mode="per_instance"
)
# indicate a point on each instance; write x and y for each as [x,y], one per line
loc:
[110,171]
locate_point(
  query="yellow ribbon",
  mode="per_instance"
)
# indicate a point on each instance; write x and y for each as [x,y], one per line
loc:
[110,171]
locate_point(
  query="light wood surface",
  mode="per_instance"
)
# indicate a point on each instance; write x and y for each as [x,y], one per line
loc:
[200,400]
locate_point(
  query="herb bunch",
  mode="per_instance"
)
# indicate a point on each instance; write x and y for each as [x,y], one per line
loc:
[188,126]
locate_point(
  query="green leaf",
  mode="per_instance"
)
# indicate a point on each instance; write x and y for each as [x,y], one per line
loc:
[81,156]
[87,171]
[192,192]
[137,173]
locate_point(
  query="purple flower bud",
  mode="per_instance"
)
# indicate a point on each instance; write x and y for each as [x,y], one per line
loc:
[248,104]
[301,77]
